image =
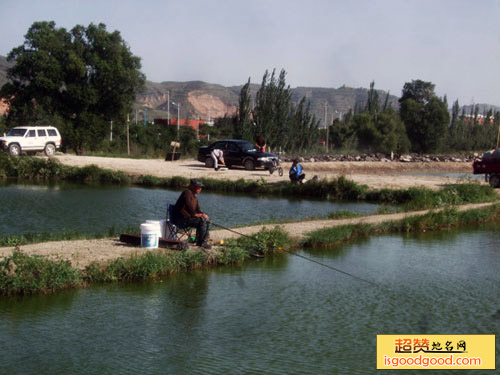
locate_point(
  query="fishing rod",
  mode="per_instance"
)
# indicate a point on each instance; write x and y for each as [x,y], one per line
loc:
[299,255]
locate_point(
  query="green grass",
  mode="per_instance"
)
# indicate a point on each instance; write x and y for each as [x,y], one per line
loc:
[38,169]
[422,198]
[29,274]
[434,220]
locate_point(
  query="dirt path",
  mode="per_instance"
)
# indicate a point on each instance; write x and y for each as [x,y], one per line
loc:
[83,252]
[374,174]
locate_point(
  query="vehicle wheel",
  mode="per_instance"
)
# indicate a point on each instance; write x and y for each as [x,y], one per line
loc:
[14,149]
[495,181]
[249,165]
[280,171]
[50,149]
[209,162]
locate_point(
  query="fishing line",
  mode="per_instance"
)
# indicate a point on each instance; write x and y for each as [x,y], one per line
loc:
[393,293]
[301,256]
[425,318]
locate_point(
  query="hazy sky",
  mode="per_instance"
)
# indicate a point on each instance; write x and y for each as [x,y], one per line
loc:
[453,43]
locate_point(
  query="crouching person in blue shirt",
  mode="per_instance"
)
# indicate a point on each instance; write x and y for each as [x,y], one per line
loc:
[296,174]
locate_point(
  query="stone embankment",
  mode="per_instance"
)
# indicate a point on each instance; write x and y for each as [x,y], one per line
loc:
[404,158]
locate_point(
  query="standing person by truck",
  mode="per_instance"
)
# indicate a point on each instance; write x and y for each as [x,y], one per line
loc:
[217,156]
[260,144]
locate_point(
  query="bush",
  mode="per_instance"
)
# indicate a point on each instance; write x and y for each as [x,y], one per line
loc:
[25,274]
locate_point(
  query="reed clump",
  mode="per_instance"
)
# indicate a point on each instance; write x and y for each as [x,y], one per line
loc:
[28,274]
[433,220]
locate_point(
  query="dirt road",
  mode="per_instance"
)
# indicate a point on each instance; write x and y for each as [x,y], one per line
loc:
[374,174]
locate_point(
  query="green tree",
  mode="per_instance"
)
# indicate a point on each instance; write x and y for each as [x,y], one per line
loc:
[425,116]
[372,104]
[272,109]
[243,125]
[86,76]
[303,127]
[384,132]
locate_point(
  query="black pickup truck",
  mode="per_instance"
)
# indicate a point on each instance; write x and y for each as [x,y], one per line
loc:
[236,152]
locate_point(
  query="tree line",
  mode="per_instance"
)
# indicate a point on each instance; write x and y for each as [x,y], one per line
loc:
[283,124]
[83,79]
[422,124]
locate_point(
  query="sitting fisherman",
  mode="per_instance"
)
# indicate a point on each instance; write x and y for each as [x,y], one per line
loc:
[296,174]
[217,156]
[187,213]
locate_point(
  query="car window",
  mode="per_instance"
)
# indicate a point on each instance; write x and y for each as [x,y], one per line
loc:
[232,147]
[52,132]
[41,133]
[246,146]
[220,145]
[16,132]
[31,133]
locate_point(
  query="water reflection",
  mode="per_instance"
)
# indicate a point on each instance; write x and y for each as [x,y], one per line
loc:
[17,309]
[95,209]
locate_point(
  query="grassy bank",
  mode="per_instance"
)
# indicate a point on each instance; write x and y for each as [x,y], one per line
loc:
[434,220]
[24,274]
[342,189]
[338,189]
[29,274]
[37,169]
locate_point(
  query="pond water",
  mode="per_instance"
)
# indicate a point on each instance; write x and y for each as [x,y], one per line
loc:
[281,315]
[95,209]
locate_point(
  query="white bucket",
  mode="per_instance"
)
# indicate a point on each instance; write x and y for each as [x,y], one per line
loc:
[158,225]
[149,236]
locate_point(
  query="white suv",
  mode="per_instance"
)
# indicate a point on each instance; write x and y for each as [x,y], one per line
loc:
[31,139]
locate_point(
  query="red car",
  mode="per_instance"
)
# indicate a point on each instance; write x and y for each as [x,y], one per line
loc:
[489,165]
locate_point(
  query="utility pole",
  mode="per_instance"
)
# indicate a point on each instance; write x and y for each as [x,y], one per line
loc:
[326,127]
[168,108]
[178,110]
[128,135]
[111,132]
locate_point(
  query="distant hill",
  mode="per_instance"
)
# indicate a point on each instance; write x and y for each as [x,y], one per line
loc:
[207,101]
[482,108]
[201,100]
